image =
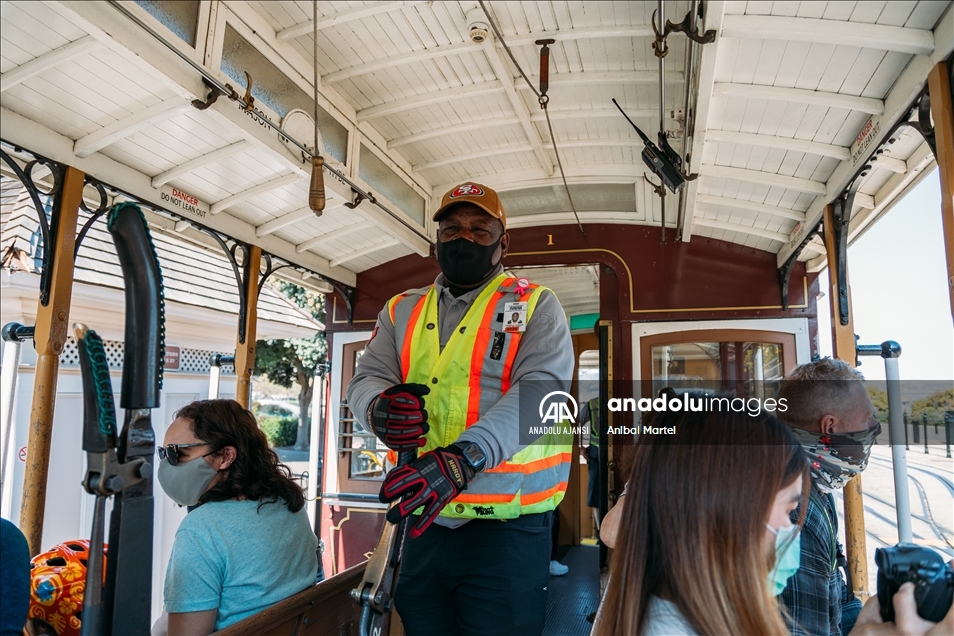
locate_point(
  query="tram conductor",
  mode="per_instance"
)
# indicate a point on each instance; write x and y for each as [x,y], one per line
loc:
[444,376]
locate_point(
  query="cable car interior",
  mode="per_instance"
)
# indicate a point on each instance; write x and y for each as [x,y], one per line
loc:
[678,172]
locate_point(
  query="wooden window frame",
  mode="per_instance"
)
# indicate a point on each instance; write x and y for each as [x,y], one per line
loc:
[646,344]
[347,483]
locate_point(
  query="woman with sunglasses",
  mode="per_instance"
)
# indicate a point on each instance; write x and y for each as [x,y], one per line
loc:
[246,542]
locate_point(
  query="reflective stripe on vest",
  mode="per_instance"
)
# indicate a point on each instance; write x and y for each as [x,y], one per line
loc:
[468,377]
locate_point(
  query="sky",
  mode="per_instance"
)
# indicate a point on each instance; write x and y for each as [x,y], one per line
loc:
[898,282]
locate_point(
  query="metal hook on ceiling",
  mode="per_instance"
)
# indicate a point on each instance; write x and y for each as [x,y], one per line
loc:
[248,100]
[356,199]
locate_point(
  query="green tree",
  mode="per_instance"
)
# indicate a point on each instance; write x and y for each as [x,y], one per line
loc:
[285,362]
[879,399]
[934,406]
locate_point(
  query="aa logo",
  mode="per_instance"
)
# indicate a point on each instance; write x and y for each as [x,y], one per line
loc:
[557,407]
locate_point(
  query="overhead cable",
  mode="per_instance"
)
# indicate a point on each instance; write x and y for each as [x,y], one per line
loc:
[543,100]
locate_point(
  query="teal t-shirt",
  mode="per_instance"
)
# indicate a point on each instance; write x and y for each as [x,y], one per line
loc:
[239,559]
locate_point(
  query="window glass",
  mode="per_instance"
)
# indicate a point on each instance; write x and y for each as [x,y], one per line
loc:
[181,17]
[367,452]
[277,91]
[379,176]
[604,197]
[750,369]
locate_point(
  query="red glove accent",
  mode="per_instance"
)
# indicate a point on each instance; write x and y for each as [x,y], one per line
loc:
[398,418]
[432,480]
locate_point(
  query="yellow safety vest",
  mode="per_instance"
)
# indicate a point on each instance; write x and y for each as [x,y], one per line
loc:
[469,376]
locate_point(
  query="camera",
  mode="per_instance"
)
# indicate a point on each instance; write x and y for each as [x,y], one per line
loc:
[933,580]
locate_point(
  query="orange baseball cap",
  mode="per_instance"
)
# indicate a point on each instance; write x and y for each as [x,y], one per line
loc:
[480,195]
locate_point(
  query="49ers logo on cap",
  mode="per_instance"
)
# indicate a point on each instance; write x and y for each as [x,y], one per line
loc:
[467,190]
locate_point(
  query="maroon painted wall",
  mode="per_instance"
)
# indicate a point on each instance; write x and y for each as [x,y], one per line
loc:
[701,280]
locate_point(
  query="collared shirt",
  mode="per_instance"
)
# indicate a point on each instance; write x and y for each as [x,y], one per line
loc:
[545,353]
[813,596]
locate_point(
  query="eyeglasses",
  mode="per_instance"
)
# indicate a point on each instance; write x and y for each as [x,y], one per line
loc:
[170,452]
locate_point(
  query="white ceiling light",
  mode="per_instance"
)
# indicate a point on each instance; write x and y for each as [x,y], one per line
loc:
[477,28]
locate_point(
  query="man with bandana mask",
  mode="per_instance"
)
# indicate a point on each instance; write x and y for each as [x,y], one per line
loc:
[830,413]
[441,377]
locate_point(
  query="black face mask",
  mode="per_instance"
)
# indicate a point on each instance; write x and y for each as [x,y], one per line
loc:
[465,262]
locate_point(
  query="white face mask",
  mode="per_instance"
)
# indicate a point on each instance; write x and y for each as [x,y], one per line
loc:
[187,481]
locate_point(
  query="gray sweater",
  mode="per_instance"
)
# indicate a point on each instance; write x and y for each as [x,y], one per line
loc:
[545,353]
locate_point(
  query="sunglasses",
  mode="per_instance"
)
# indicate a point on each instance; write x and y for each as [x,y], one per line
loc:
[170,452]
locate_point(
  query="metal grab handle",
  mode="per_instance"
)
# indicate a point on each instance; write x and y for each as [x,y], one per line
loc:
[216,362]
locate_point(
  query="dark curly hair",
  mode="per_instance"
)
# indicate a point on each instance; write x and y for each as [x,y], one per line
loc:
[256,474]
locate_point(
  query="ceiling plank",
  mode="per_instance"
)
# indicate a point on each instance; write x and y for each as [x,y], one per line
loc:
[767,178]
[400,60]
[283,221]
[501,70]
[634,142]
[47,61]
[198,162]
[744,229]
[893,164]
[597,33]
[714,16]
[557,114]
[417,101]
[330,236]
[480,154]
[305,28]
[268,186]
[594,172]
[107,135]
[451,130]
[864,201]
[872,36]
[350,256]
[787,143]
[799,95]
[592,77]
[709,200]
[448,94]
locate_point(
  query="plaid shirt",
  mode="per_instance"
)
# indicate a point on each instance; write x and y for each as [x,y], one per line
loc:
[813,596]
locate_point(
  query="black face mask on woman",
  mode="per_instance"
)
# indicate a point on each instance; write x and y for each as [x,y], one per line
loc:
[465,262]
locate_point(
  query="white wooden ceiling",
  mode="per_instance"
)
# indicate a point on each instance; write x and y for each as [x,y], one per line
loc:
[779,98]
[577,288]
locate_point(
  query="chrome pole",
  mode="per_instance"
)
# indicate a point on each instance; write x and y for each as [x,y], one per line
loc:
[890,351]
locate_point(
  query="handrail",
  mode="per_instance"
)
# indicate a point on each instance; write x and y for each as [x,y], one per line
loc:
[325,608]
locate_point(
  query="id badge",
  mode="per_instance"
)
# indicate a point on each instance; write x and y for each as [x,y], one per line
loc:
[515,317]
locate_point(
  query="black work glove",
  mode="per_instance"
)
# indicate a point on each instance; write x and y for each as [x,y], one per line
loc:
[398,418]
[432,480]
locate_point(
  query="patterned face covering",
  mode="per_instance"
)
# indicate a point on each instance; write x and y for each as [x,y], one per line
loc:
[836,458]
